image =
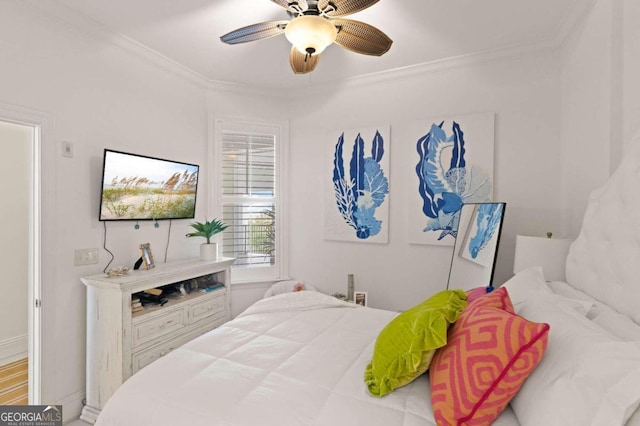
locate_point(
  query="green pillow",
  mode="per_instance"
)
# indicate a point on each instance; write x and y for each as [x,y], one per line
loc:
[404,348]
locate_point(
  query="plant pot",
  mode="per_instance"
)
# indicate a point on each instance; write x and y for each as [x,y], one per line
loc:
[208,251]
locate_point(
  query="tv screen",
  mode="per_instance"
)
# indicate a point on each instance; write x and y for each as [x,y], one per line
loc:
[136,187]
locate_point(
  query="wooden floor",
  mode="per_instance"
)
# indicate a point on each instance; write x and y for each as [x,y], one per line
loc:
[14,380]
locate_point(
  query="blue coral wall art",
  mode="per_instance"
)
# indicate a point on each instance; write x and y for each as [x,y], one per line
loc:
[453,166]
[357,187]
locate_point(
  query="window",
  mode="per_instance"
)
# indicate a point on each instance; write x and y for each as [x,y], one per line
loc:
[249,197]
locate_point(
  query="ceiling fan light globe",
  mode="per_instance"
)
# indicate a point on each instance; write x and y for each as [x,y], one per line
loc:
[310,33]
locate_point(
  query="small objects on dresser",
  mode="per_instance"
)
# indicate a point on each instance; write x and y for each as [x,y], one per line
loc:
[207,229]
[154,291]
[211,287]
[147,257]
[360,298]
[136,305]
[118,271]
[152,297]
[339,296]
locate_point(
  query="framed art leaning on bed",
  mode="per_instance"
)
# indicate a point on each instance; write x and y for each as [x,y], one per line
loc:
[476,247]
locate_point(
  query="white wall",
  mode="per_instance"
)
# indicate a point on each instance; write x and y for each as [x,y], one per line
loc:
[630,69]
[600,100]
[524,93]
[14,250]
[586,110]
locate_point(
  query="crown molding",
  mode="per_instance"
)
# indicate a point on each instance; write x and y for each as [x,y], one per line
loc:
[69,18]
[79,23]
[84,24]
[225,86]
[579,13]
[433,67]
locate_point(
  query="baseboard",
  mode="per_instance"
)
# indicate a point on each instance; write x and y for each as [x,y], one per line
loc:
[89,414]
[13,349]
[71,406]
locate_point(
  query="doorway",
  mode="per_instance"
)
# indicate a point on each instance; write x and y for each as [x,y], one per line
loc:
[19,261]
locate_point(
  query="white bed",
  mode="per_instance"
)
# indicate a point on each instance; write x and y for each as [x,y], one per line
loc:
[299,358]
[292,359]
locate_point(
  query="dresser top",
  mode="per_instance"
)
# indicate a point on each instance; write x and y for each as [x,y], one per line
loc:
[161,274]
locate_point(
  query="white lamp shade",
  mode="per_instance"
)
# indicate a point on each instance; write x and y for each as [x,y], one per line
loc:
[550,253]
[310,34]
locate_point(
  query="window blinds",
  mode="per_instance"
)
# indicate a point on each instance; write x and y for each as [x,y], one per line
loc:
[249,198]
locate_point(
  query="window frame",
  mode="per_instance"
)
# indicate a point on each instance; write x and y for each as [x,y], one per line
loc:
[280,129]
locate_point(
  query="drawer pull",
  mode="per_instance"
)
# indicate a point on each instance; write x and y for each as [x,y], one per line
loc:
[164,324]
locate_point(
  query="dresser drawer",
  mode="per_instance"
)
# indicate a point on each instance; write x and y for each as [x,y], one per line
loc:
[149,329]
[145,357]
[207,308]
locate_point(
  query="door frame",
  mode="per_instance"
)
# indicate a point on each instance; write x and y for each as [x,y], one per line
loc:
[41,201]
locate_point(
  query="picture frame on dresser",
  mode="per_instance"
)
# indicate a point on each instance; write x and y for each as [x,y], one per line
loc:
[360,298]
[147,257]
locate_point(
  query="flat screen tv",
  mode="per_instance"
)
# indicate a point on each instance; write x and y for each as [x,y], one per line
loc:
[137,187]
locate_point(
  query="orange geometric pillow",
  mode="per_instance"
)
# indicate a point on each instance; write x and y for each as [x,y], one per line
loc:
[490,353]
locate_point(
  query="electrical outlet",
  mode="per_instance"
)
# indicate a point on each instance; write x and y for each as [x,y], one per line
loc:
[85,256]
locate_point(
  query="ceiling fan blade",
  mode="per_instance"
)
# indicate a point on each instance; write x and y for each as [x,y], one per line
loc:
[300,63]
[343,7]
[255,32]
[361,38]
[295,6]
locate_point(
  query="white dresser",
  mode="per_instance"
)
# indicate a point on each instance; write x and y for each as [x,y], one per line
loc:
[120,342]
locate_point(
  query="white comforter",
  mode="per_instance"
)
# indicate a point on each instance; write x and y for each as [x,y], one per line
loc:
[292,359]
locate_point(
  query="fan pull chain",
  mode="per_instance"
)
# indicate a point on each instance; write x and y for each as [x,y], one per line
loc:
[310,51]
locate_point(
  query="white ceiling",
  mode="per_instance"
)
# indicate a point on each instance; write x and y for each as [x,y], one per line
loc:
[423,31]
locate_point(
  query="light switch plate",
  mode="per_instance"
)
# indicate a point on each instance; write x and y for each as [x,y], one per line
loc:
[85,256]
[67,149]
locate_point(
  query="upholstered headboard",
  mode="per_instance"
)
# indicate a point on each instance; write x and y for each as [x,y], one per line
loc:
[604,261]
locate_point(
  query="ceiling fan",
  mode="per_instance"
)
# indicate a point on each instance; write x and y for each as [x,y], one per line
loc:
[316,24]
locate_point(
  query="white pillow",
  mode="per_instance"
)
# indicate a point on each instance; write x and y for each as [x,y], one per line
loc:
[526,284]
[586,377]
[567,290]
[615,323]
[601,314]
[286,287]
[530,283]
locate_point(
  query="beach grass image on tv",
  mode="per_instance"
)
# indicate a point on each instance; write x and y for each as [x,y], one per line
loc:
[137,187]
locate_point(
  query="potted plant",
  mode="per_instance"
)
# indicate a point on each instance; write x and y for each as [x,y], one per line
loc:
[207,229]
